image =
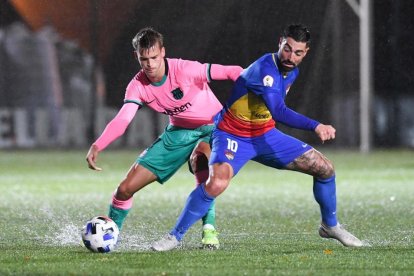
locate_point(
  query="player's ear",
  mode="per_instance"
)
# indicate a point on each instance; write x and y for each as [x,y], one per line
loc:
[136,55]
[163,52]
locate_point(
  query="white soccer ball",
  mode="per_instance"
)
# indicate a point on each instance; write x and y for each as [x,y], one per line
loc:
[100,234]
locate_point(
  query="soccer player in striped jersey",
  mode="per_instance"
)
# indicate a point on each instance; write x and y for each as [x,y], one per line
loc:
[246,131]
[178,88]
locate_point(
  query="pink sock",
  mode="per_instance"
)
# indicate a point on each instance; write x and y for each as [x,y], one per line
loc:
[201,176]
[122,204]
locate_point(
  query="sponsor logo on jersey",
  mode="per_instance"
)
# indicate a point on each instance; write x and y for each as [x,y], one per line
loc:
[261,115]
[229,155]
[177,94]
[177,110]
[268,81]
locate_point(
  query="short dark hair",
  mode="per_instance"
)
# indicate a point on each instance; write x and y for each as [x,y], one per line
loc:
[298,32]
[147,38]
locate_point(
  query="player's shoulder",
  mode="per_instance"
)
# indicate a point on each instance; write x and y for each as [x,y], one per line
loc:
[140,77]
[263,66]
[179,63]
[266,59]
[187,71]
[268,62]
[139,80]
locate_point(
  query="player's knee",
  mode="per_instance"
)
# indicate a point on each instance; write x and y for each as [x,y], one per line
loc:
[321,166]
[124,192]
[329,170]
[216,186]
[219,179]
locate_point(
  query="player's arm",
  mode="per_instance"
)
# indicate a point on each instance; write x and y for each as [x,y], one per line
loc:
[114,129]
[202,72]
[224,72]
[281,113]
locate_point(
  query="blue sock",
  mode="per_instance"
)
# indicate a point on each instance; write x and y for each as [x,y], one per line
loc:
[195,208]
[324,191]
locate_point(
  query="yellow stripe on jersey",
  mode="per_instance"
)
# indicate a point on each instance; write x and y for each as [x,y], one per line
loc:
[251,107]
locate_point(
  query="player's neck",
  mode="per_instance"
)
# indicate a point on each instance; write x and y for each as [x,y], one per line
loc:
[160,75]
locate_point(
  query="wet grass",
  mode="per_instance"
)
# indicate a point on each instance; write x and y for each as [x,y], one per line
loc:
[267,219]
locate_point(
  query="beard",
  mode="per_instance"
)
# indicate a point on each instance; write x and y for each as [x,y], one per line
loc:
[286,66]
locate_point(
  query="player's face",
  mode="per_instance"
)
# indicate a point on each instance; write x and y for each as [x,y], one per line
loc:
[152,62]
[291,53]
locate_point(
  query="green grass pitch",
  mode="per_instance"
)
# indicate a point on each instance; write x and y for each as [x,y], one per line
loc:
[267,219]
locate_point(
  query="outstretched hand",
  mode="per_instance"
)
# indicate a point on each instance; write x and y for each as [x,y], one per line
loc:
[325,132]
[92,157]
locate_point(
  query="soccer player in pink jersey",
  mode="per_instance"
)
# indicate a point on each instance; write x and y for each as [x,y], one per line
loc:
[178,88]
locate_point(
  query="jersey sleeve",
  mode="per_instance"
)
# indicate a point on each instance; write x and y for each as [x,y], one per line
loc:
[117,126]
[194,71]
[281,113]
[225,72]
[132,93]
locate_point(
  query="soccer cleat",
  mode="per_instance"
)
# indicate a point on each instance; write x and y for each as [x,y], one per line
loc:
[339,233]
[166,243]
[210,239]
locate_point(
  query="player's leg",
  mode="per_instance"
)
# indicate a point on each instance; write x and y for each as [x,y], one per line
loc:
[201,198]
[199,166]
[136,178]
[196,206]
[314,163]
[199,161]
[157,163]
[286,152]
[228,156]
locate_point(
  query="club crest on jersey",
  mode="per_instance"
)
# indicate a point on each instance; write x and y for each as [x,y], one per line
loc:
[229,155]
[268,81]
[177,93]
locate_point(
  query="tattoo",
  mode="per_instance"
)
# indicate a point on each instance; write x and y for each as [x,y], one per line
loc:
[313,163]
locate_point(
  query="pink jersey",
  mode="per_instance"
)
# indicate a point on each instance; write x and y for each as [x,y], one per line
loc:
[183,94]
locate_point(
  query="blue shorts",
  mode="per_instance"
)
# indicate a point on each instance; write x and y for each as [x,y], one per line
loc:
[274,149]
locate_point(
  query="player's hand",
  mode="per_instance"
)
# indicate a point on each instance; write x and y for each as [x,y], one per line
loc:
[92,157]
[325,132]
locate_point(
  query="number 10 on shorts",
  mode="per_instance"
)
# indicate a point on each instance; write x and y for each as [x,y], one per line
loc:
[232,145]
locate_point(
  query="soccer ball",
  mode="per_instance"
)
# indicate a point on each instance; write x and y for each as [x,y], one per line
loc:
[100,234]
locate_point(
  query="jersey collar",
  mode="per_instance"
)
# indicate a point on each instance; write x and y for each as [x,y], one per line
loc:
[164,78]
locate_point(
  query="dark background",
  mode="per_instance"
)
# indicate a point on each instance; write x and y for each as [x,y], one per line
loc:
[240,31]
